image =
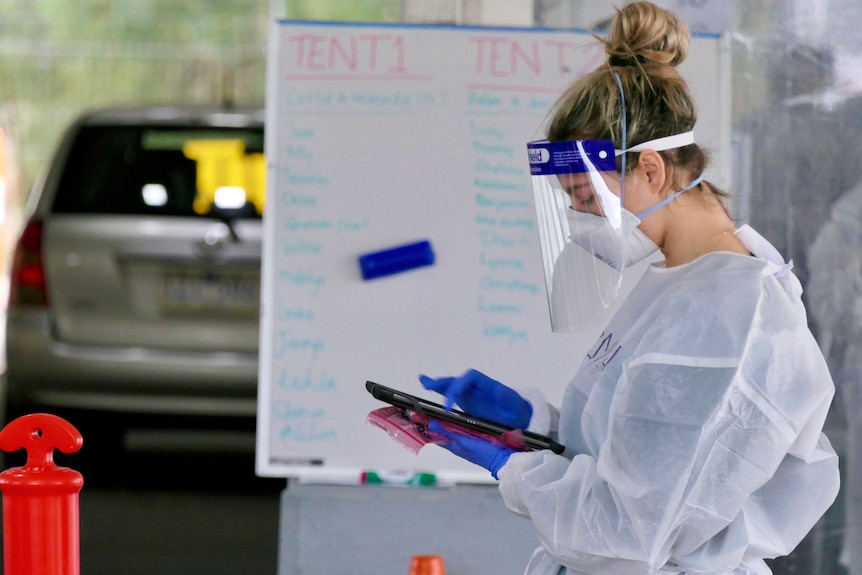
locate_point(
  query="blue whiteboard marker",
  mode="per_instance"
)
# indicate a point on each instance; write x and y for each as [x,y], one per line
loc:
[396,260]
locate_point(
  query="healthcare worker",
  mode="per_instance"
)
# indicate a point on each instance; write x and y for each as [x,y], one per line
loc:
[693,425]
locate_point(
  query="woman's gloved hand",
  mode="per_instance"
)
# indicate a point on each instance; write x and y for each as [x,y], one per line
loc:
[474,449]
[481,396]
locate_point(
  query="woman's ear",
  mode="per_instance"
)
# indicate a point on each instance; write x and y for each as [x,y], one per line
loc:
[654,169]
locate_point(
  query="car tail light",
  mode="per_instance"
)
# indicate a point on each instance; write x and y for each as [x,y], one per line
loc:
[27,281]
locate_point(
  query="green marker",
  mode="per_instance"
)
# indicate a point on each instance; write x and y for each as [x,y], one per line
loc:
[407,479]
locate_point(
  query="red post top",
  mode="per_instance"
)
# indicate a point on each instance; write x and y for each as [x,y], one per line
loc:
[40,434]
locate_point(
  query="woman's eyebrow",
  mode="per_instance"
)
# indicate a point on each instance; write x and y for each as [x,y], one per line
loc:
[574,187]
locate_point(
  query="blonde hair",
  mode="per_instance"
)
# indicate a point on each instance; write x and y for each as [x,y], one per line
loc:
[644,45]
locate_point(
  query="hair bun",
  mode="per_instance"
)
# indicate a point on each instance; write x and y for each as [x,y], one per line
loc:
[643,34]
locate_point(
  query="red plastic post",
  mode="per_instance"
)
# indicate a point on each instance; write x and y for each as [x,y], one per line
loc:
[40,500]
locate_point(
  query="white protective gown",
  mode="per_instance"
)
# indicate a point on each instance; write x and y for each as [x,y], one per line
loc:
[693,429]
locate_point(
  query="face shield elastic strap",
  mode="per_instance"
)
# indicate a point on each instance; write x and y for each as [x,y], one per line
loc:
[624,124]
[670,198]
[658,145]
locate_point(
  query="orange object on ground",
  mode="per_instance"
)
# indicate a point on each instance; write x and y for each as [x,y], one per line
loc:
[427,565]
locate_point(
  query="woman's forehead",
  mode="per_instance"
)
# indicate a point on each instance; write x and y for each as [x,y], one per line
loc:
[573,180]
[583,178]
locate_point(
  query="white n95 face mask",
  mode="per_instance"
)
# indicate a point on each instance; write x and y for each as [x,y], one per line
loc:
[590,233]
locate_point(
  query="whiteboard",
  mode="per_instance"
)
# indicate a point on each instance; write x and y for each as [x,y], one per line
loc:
[383,135]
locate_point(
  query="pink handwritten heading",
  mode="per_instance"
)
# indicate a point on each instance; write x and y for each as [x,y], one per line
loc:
[494,57]
[502,57]
[362,53]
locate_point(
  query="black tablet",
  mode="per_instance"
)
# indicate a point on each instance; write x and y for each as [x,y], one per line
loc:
[433,410]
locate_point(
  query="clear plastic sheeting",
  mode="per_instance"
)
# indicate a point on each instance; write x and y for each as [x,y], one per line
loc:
[798,122]
[835,307]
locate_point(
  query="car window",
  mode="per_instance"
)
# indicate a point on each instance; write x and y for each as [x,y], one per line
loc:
[164,171]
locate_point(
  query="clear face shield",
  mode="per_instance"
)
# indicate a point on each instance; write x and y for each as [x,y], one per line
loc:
[588,238]
[584,230]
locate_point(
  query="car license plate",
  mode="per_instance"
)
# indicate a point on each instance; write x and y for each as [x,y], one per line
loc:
[211,292]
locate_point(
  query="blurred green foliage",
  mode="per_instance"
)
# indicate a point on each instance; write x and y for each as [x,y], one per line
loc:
[363,11]
[59,57]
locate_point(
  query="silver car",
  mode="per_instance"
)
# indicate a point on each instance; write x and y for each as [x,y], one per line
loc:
[134,296]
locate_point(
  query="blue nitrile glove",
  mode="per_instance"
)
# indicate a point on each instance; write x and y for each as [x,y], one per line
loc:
[474,449]
[481,396]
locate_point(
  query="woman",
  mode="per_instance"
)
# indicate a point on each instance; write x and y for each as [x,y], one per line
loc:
[694,424]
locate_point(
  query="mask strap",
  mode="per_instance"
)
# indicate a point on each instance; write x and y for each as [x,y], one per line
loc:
[670,198]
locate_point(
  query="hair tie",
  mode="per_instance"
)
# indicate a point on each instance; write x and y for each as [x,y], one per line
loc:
[626,61]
